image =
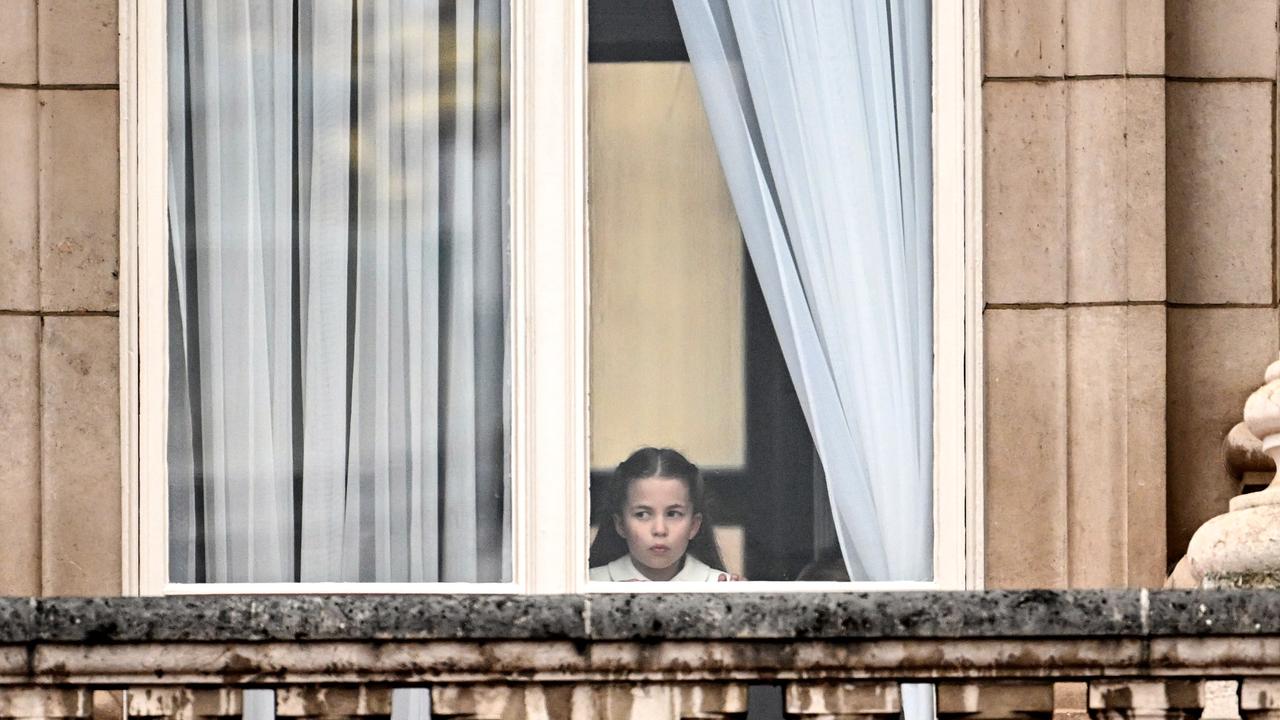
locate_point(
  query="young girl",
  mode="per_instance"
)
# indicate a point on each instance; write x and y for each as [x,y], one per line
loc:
[651,531]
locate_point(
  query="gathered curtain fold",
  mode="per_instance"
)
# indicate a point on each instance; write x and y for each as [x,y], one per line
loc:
[821,117]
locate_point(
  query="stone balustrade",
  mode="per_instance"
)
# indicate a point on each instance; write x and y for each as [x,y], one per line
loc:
[1241,548]
[991,654]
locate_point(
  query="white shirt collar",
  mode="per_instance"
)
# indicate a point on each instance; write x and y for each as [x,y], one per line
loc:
[694,570]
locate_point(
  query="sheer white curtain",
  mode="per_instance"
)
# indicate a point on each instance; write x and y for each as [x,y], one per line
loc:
[338,266]
[337,274]
[821,115]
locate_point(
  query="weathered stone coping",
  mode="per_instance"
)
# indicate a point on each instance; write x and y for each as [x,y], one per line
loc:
[623,617]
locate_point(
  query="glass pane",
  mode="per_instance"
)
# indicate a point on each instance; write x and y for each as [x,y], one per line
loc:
[761,290]
[338,355]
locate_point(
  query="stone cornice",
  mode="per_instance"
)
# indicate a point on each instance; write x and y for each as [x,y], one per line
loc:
[1038,614]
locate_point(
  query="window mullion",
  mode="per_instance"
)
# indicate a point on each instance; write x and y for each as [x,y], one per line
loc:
[550,292]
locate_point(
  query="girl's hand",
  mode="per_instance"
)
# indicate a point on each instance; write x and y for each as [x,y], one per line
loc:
[726,577]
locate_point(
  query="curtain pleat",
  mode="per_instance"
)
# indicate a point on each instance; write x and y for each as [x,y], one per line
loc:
[820,114]
[338,272]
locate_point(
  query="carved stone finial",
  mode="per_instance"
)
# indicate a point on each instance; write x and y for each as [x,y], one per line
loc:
[1241,548]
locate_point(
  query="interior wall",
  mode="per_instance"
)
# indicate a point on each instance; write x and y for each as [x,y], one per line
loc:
[667,329]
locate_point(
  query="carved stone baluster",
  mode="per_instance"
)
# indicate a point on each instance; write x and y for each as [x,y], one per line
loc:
[637,702]
[512,702]
[711,701]
[1260,699]
[476,702]
[842,700]
[996,701]
[180,703]
[315,703]
[629,701]
[1174,699]
[20,703]
[1239,548]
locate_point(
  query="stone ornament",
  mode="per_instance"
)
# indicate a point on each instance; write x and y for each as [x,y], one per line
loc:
[1241,548]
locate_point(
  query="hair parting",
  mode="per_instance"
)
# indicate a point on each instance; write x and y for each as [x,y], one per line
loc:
[644,463]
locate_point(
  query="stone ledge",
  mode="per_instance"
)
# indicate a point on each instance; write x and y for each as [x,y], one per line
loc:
[613,617]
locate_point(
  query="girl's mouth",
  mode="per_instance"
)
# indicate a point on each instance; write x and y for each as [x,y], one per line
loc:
[659,549]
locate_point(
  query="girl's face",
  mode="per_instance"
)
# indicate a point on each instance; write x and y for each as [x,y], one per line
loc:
[658,523]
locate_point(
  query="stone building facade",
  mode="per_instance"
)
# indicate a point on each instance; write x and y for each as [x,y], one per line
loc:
[1129,282]
[1129,237]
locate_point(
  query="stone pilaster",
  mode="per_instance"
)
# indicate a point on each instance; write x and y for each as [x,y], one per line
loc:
[1074,289]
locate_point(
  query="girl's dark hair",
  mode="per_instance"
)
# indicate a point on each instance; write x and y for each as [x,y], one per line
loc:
[644,463]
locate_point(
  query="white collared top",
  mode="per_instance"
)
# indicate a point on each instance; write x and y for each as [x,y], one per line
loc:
[623,570]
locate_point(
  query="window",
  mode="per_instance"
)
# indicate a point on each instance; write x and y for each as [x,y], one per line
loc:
[749,287]
[537,455]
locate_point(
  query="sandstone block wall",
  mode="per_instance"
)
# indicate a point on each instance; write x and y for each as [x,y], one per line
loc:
[1222,57]
[1074,148]
[59,340]
[1129,186]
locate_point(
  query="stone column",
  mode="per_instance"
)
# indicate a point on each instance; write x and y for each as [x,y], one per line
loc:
[1139,699]
[1241,548]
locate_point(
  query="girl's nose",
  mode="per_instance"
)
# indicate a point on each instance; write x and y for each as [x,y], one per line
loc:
[660,527]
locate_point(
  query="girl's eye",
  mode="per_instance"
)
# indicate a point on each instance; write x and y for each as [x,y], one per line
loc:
[675,513]
[641,514]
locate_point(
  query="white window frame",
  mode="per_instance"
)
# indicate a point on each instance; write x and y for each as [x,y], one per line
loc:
[549,440]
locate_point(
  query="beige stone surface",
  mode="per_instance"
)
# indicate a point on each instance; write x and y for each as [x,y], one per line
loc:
[1096,37]
[1215,356]
[18,41]
[1146,697]
[1115,439]
[667,333]
[1146,435]
[1145,189]
[1221,38]
[1026,448]
[20,455]
[1220,192]
[1074,186]
[1070,701]
[1145,42]
[995,700]
[1115,190]
[1024,191]
[1024,39]
[78,41]
[80,452]
[80,197]
[1114,37]
[19,209]
[1075,423]
[1241,548]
